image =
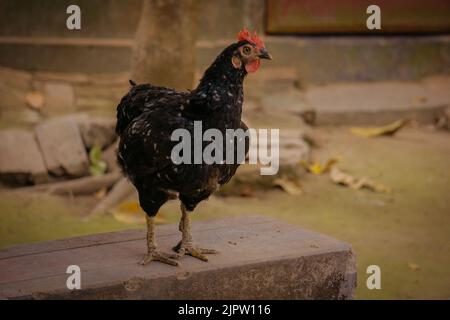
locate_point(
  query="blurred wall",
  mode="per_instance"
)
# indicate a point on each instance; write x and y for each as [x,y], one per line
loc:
[87,70]
[33,37]
[33,34]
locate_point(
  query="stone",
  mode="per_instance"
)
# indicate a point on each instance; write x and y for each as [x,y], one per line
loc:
[13,87]
[62,146]
[291,145]
[97,131]
[102,97]
[378,103]
[21,161]
[59,97]
[259,258]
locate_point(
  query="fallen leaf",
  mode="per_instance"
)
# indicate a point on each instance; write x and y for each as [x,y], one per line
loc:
[318,168]
[370,132]
[291,187]
[132,213]
[340,177]
[34,99]
[413,266]
[420,100]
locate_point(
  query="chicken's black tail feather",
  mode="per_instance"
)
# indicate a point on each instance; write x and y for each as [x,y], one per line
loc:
[131,105]
[137,100]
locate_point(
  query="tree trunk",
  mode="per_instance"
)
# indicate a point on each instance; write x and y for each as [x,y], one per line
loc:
[165,52]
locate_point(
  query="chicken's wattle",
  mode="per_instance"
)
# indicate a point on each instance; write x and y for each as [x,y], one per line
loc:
[252,66]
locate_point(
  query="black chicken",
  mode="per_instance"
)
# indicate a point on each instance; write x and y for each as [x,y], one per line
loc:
[146,117]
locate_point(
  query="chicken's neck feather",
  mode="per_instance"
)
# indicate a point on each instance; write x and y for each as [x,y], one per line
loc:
[219,94]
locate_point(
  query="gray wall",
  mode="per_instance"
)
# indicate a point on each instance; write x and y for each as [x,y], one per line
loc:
[108,26]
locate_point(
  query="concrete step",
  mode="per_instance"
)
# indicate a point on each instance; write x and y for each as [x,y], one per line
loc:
[356,103]
[260,258]
[379,102]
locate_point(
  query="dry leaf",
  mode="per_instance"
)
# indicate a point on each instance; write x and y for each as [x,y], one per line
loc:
[291,187]
[419,100]
[35,99]
[132,213]
[413,266]
[317,168]
[370,132]
[339,177]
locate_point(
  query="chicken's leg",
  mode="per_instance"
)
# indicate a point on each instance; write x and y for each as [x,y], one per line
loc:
[153,253]
[185,246]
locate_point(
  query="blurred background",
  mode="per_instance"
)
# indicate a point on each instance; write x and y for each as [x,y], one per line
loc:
[364,119]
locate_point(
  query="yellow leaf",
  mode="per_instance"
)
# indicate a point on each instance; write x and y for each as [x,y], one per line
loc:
[132,213]
[413,266]
[370,132]
[315,168]
[318,168]
[339,177]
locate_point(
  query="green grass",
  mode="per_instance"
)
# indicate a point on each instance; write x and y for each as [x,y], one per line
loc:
[32,218]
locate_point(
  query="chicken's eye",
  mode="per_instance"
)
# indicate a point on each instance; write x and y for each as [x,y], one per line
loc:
[247,50]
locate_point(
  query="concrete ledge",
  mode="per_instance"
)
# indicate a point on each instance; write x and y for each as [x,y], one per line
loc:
[379,102]
[260,258]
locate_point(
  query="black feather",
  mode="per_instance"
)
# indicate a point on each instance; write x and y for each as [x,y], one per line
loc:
[146,117]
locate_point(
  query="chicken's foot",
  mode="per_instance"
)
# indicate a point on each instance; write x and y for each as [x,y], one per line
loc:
[185,246]
[153,254]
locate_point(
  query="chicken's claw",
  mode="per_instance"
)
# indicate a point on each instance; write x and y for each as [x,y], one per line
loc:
[160,256]
[198,253]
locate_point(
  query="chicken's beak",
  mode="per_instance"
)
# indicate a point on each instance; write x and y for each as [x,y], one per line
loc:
[264,54]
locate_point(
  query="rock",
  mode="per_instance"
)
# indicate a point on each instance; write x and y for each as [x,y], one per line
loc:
[62,146]
[59,97]
[293,147]
[29,116]
[21,162]
[291,100]
[97,131]
[13,87]
[378,103]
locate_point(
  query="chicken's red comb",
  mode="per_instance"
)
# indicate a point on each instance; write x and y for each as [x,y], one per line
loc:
[253,38]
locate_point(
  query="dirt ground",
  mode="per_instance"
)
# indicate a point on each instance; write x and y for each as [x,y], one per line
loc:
[405,232]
